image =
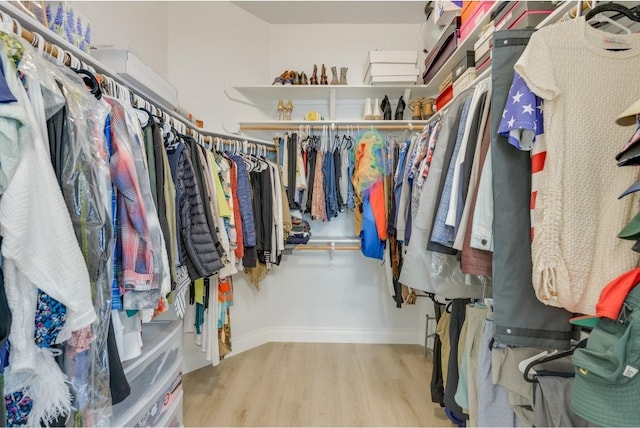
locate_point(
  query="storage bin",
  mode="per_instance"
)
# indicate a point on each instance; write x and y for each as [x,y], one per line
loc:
[150,386]
[164,411]
[156,372]
[159,338]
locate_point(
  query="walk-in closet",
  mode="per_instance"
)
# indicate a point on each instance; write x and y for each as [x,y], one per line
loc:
[319,213]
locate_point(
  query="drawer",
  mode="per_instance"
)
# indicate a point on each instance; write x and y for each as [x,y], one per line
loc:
[147,390]
[162,340]
[173,417]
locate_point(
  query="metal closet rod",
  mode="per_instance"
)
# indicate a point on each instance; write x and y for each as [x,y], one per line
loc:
[328,243]
[212,139]
[56,51]
[380,127]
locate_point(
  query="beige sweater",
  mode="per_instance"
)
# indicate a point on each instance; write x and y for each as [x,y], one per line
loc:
[584,85]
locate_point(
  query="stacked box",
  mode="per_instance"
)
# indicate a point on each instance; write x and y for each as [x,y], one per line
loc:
[385,67]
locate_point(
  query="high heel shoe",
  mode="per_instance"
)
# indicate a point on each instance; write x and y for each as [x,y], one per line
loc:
[288,110]
[280,109]
[334,75]
[314,77]
[303,78]
[400,109]
[323,76]
[386,108]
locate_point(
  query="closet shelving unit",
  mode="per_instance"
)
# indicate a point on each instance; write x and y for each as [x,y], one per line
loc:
[329,98]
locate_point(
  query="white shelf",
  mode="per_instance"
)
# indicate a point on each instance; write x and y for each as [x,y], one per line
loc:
[324,92]
[464,46]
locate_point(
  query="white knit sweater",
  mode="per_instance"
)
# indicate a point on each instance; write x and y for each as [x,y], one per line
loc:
[585,85]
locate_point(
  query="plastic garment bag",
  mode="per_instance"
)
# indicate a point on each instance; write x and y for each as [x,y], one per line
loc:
[84,176]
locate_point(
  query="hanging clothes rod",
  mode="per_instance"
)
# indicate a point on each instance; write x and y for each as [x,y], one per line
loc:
[72,55]
[326,248]
[380,127]
[212,140]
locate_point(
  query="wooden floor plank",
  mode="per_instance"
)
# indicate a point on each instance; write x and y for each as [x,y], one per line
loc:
[315,384]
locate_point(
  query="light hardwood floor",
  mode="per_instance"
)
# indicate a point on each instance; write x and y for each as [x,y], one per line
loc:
[315,384]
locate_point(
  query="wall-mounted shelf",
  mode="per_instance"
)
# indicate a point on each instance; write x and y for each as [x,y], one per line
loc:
[324,92]
[323,96]
[381,125]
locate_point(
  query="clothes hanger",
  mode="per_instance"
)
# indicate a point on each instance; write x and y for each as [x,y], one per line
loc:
[548,358]
[613,7]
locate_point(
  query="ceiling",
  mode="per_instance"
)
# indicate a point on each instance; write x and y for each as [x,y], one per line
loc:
[336,12]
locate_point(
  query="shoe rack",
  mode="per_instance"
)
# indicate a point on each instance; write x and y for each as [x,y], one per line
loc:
[341,106]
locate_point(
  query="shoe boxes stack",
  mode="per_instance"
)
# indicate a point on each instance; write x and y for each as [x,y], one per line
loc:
[444,48]
[473,12]
[386,67]
[522,14]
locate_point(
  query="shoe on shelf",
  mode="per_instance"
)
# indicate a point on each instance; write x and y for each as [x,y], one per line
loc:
[386,108]
[303,78]
[343,75]
[323,76]
[334,75]
[400,109]
[368,113]
[281,79]
[288,110]
[314,77]
[427,108]
[416,108]
[377,114]
[290,78]
[280,108]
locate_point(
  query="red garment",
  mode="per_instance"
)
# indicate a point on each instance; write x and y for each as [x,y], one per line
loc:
[376,199]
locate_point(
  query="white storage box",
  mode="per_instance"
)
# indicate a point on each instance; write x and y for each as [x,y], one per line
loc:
[378,70]
[394,57]
[444,11]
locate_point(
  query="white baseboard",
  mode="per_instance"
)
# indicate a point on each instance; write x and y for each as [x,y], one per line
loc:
[337,335]
[313,335]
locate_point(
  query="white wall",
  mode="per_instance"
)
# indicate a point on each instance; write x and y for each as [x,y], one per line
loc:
[138,26]
[210,45]
[298,47]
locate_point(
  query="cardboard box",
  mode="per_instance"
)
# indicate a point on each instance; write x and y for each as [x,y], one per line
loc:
[464,81]
[446,82]
[442,55]
[376,70]
[466,62]
[444,97]
[445,11]
[390,80]
[522,14]
[394,57]
[478,13]
[482,50]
